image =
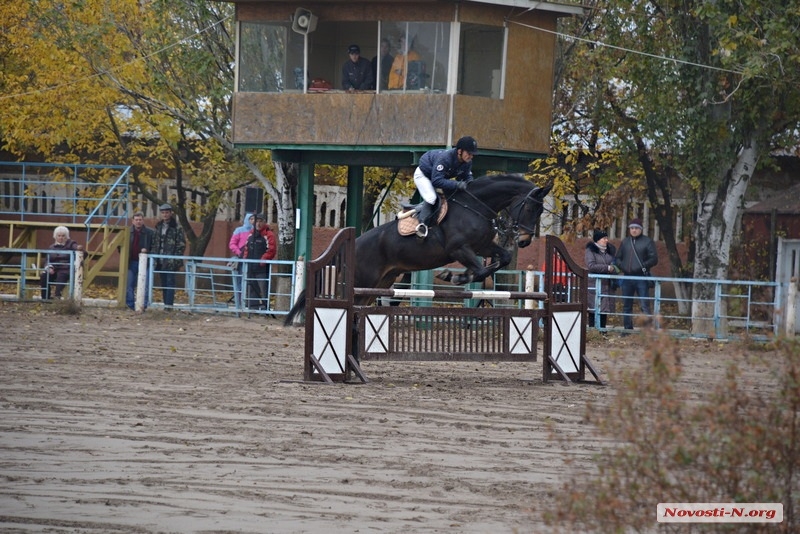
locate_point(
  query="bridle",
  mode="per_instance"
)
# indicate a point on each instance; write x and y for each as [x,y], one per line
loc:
[519,206]
[500,223]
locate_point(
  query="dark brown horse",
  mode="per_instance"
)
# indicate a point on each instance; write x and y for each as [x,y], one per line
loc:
[466,235]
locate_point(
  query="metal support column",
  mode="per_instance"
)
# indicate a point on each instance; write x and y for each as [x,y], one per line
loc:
[304,218]
[355,197]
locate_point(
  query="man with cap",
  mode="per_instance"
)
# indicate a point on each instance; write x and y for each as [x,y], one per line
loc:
[636,256]
[356,71]
[436,170]
[599,259]
[168,240]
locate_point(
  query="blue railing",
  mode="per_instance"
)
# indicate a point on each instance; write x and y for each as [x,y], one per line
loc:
[20,270]
[735,309]
[112,209]
[87,194]
[223,285]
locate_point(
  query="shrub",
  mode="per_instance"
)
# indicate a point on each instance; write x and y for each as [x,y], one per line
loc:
[735,442]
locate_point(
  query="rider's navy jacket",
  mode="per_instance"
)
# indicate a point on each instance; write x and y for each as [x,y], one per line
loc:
[442,165]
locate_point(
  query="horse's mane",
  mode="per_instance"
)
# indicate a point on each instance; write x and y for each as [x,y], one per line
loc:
[511,177]
[495,179]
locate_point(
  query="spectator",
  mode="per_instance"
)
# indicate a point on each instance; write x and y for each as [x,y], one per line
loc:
[385,65]
[636,256]
[58,268]
[236,245]
[141,240]
[169,240]
[600,259]
[356,71]
[261,245]
[397,76]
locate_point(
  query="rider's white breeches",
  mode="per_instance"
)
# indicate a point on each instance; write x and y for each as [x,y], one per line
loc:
[425,187]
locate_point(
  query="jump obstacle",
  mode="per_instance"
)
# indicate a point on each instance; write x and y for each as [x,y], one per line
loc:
[340,334]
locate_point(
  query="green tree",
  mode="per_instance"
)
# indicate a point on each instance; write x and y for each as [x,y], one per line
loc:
[696,92]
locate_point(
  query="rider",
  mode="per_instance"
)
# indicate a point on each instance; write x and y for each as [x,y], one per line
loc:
[436,168]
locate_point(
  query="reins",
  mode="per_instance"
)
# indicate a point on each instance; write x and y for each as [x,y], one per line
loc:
[499,223]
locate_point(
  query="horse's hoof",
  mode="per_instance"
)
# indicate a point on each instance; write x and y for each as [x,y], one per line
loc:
[445,275]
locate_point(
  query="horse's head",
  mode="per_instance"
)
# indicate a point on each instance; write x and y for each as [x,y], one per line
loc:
[526,211]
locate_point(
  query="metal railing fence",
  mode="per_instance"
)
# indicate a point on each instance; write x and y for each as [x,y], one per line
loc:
[20,271]
[735,308]
[84,194]
[228,285]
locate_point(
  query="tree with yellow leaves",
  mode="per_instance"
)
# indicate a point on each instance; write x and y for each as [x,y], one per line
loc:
[142,83]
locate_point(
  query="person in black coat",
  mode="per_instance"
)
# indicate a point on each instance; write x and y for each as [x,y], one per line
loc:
[141,240]
[600,259]
[356,71]
[637,254]
[385,68]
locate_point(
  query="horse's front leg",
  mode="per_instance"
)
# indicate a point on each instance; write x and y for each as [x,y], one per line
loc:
[459,279]
[500,258]
[476,271]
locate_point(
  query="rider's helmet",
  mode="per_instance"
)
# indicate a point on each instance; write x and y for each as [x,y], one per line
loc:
[468,144]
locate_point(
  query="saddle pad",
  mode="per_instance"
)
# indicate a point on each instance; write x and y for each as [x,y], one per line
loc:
[408,226]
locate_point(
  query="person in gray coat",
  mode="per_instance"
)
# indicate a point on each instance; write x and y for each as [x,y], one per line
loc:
[600,259]
[636,256]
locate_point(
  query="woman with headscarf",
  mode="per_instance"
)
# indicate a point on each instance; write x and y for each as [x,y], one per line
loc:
[237,245]
[600,260]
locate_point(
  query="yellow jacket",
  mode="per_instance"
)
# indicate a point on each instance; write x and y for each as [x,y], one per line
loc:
[397,75]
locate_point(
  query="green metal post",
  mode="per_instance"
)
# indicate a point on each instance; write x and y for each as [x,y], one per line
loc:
[305,212]
[355,197]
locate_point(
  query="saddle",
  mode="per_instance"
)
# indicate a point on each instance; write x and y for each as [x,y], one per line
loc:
[407,221]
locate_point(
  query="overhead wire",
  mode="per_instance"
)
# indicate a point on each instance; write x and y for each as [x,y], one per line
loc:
[623,49]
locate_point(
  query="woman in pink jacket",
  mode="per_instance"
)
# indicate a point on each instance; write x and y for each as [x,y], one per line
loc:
[239,237]
[237,247]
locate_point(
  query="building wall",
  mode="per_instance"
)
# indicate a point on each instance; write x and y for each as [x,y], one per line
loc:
[754,255]
[519,122]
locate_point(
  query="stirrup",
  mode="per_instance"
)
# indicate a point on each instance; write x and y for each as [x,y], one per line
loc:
[422,230]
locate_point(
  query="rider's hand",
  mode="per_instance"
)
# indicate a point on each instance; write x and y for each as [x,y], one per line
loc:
[462,186]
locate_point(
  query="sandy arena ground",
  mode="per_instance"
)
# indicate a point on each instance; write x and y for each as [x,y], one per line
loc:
[117,422]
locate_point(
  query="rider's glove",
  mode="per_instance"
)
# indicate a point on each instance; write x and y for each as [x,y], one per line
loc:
[462,186]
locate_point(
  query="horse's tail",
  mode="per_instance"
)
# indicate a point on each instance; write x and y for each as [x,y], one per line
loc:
[299,306]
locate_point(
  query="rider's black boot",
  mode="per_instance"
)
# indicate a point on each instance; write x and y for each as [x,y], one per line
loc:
[426,215]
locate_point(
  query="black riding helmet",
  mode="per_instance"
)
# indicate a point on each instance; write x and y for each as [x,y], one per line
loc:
[468,144]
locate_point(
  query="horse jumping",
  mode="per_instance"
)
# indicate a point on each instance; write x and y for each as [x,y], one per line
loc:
[340,334]
[467,232]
